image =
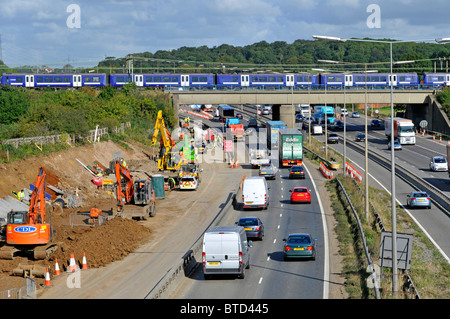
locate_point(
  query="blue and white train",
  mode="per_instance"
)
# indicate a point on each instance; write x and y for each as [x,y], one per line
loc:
[54,80]
[229,81]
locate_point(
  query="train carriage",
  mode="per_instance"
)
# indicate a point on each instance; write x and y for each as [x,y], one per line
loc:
[306,80]
[54,80]
[436,79]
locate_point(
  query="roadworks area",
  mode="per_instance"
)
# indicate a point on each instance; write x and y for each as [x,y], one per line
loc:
[101,245]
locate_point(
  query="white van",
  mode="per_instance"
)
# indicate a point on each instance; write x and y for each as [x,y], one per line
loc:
[226,251]
[255,193]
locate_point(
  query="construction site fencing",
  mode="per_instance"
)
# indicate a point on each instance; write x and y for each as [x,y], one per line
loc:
[84,219]
[92,136]
[26,292]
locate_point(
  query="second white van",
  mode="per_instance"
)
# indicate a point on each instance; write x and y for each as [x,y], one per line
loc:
[255,193]
[226,251]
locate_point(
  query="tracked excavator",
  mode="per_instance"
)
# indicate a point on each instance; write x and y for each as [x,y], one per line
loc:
[135,198]
[30,232]
[168,158]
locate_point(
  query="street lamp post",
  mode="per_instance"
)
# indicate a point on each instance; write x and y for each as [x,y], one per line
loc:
[393,208]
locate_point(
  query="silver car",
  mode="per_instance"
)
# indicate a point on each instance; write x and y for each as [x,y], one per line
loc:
[438,163]
[397,145]
[268,171]
[418,199]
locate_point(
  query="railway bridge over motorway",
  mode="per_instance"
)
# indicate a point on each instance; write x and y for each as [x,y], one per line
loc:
[421,104]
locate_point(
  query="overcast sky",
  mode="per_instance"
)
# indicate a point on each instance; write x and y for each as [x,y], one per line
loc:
[53,32]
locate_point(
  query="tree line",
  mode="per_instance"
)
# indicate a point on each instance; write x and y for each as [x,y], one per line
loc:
[279,56]
[25,113]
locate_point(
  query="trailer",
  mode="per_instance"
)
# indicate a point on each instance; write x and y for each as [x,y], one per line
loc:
[290,147]
[272,133]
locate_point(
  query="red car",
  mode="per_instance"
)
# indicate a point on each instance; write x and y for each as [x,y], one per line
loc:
[300,194]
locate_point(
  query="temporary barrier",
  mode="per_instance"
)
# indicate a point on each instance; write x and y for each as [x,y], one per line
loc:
[353,172]
[325,171]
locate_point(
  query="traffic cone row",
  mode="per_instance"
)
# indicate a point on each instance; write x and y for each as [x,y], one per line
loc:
[72,268]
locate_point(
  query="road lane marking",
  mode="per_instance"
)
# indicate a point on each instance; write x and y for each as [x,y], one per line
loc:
[326,271]
[260,280]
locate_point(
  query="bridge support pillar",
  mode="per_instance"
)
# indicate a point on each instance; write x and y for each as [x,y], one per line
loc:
[287,115]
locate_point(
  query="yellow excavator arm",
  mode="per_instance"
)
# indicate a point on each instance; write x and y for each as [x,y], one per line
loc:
[167,143]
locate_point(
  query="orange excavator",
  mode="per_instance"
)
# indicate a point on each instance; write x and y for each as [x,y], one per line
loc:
[135,198]
[30,232]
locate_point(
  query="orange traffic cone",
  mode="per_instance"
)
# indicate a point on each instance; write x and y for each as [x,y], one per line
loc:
[236,164]
[84,262]
[440,139]
[72,265]
[57,271]
[231,163]
[47,279]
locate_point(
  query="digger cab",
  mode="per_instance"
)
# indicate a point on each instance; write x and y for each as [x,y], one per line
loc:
[143,192]
[17,217]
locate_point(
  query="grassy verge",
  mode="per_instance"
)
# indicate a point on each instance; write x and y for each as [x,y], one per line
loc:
[429,271]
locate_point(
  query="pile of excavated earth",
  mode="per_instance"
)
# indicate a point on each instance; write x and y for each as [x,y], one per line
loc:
[111,241]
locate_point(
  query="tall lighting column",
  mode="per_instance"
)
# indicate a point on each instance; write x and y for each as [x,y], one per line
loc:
[393,200]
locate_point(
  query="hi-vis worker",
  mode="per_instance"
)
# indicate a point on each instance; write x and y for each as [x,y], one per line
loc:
[124,164]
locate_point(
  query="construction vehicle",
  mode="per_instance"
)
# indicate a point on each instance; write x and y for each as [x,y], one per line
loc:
[135,198]
[94,214]
[258,157]
[168,158]
[190,170]
[30,232]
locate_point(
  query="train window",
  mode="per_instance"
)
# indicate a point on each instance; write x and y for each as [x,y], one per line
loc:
[48,79]
[58,79]
[263,79]
[203,79]
[374,79]
[307,79]
[383,78]
[19,79]
[195,79]
[148,79]
[235,79]
[255,79]
[175,79]
[272,79]
[120,79]
[402,78]
[95,79]
[87,79]
[39,79]
[67,79]
[280,79]
[157,79]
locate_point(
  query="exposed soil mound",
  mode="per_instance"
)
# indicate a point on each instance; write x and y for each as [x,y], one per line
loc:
[111,241]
